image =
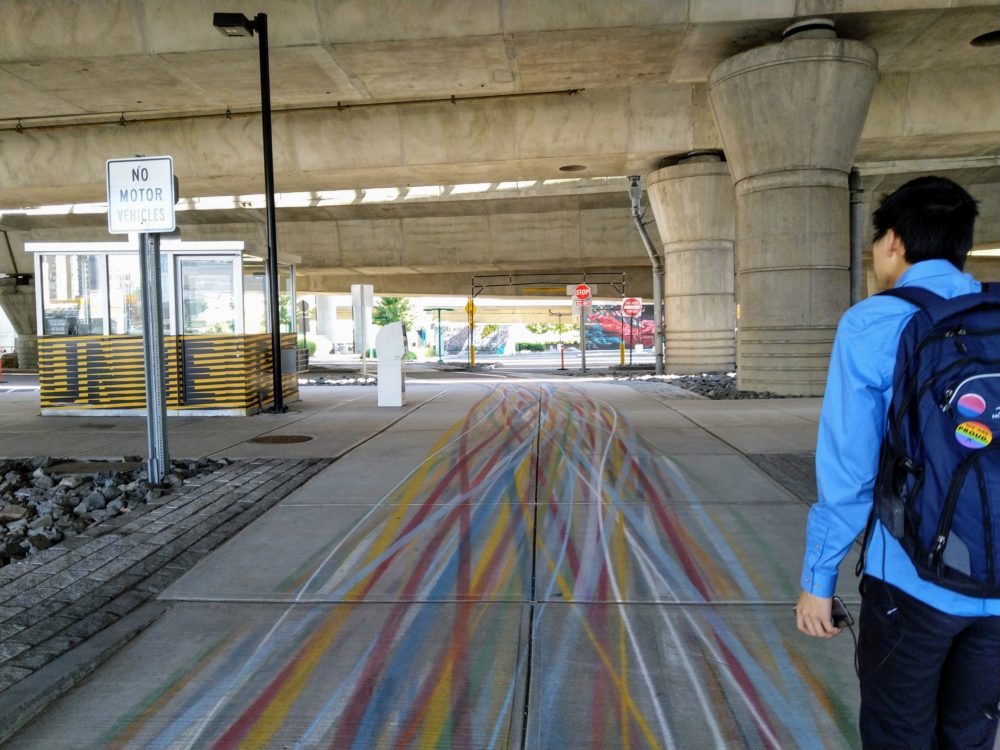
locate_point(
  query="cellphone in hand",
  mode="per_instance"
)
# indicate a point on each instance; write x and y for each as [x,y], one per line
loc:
[841,617]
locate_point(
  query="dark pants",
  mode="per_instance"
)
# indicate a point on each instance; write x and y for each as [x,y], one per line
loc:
[929,680]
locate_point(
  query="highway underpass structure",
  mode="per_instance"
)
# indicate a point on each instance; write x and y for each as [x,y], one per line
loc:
[416,149]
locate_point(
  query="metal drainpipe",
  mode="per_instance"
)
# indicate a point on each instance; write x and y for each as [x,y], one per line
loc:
[857,229]
[635,193]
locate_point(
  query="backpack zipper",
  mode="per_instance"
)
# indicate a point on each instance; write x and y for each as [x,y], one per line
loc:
[930,339]
[948,511]
[930,381]
[987,525]
[952,393]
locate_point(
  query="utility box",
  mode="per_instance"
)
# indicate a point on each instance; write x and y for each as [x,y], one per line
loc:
[391,350]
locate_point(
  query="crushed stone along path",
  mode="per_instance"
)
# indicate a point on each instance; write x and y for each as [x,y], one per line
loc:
[61,596]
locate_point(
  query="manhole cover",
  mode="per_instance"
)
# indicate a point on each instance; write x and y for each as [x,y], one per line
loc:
[281,439]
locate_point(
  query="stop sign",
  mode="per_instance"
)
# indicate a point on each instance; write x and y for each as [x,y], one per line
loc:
[582,292]
[632,307]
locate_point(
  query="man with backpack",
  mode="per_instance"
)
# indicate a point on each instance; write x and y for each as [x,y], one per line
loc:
[909,452]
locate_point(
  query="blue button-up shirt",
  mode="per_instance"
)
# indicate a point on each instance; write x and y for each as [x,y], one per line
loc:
[852,424]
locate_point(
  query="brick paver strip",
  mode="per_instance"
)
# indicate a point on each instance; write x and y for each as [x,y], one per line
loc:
[61,596]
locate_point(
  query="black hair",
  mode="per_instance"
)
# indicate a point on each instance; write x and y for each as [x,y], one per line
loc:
[933,216]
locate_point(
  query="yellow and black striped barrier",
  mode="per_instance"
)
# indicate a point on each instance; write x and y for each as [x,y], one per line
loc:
[220,374]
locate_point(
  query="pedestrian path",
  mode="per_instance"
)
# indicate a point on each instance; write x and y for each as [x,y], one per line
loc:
[510,566]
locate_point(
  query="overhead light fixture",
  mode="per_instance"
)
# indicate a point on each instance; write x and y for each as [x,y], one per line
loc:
[572,168]
[233,24]
[986,251]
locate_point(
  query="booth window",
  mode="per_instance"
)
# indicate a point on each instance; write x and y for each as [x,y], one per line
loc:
[73,295]
[207,295]
[125,284]
[286,297]
[254,296]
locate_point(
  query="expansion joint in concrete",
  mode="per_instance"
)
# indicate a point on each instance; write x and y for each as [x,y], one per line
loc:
[744,271]
[708,244]
[796,176]
[861,60]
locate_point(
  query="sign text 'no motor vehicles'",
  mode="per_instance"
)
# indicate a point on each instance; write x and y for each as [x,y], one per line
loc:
[141,195]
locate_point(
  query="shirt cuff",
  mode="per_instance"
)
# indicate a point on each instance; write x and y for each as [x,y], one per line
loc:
[819,584]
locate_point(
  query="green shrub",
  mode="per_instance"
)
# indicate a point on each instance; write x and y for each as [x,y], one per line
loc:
[410,356]
[529,346]
[310,345]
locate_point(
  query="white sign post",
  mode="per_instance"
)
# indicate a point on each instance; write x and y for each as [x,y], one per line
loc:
[141,197]
[581,298]
[631,308]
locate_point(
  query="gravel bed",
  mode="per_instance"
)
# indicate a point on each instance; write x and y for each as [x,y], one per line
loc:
[720,386]
[44,500]
[333,380]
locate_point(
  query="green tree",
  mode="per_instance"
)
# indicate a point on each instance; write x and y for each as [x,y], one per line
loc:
[540,328]
[390,309]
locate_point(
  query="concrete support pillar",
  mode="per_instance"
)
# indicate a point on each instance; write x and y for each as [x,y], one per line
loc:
[18,302]
[790,116]
[26,347]
[694,206]
[326,316]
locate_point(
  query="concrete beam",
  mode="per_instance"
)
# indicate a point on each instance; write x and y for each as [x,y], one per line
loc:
[424,247]
[611,131]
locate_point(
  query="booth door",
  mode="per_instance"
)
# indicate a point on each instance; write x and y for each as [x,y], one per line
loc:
[208,295]
[210,313]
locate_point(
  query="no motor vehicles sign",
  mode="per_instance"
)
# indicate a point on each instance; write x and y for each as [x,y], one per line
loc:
[141,195]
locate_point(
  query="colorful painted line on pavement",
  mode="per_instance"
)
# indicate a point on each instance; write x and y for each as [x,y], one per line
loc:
[412,629]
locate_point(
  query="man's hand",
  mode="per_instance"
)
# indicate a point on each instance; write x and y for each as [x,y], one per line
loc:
[813,616]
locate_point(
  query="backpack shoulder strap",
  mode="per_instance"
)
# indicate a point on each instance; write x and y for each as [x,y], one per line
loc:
[915,295]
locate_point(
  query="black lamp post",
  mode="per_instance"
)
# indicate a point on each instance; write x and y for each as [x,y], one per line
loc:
[237,24]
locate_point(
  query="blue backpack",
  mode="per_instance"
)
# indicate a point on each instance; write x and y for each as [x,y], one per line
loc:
[938,484]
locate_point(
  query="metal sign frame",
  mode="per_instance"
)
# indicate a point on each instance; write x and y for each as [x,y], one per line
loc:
[482,283]
[149,187]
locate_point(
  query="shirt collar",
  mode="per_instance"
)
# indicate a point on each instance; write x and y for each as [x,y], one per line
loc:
[927,269]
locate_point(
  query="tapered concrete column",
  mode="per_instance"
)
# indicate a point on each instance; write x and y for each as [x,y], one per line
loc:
[694,206]
[18,302]
[326,316]
[790,116]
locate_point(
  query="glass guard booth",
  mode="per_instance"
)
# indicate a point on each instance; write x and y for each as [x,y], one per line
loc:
[215,323]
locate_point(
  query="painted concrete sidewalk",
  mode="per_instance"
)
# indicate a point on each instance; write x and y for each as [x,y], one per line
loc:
[511,566]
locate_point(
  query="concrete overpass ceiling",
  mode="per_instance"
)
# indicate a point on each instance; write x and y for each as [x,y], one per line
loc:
[641,67]
[402,182]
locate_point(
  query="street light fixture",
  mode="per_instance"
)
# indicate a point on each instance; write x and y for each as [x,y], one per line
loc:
[233,25]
